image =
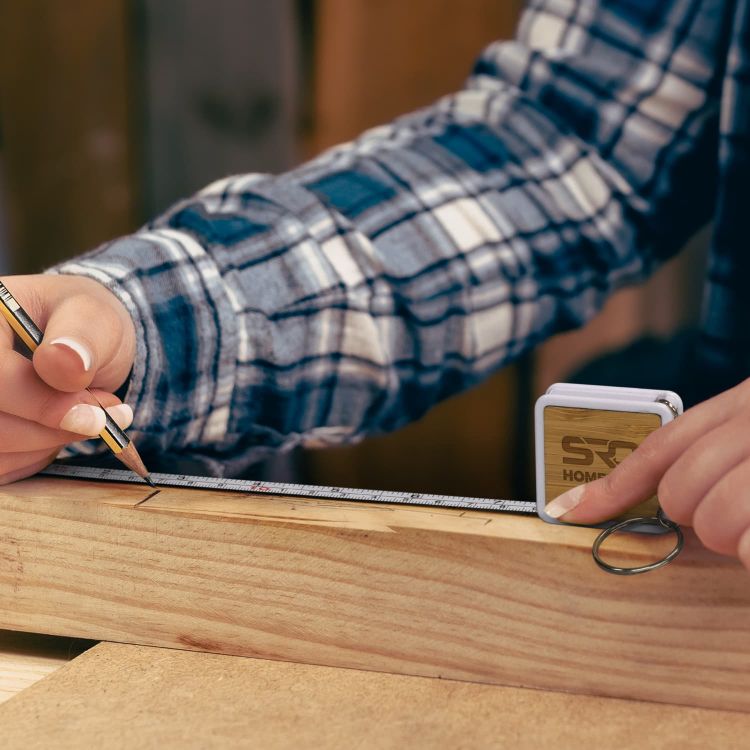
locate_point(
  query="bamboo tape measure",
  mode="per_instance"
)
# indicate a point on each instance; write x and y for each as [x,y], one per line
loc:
[583,432]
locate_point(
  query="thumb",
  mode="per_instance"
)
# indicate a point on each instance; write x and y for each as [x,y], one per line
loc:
[84,344]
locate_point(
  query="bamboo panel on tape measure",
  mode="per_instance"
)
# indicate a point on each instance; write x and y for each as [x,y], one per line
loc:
[582,444]
[425,591]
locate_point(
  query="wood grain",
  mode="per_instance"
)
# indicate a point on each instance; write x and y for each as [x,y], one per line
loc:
[119,696]
[433,592]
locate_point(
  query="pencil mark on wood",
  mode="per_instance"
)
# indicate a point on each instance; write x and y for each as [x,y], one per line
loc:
[147,498]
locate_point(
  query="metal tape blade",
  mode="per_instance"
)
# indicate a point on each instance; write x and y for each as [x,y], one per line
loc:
[70,471]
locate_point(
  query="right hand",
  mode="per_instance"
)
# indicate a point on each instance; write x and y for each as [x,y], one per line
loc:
[89,341]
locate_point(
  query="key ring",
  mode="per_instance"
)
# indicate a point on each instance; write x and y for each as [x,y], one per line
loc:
[659,520]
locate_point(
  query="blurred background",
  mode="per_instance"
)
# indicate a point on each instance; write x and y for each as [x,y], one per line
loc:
[110,111]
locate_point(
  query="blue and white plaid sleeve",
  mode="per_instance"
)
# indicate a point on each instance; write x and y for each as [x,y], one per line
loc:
[352,293]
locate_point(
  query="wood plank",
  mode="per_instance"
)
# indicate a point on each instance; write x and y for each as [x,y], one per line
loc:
[433,592]
[119,696]
[26,658]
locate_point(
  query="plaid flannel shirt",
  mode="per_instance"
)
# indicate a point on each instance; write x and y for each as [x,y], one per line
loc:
[352,293]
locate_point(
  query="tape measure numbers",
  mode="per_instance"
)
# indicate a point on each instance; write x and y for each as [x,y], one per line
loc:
[67,471]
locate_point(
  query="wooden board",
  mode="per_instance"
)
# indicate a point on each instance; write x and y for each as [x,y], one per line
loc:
[119,696]
[434,592]
[26,658]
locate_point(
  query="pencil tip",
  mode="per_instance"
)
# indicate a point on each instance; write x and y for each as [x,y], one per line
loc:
[129,456]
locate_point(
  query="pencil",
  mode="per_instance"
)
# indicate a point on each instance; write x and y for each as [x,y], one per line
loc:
[115,438]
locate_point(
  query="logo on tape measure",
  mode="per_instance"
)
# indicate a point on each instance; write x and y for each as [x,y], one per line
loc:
[582,451]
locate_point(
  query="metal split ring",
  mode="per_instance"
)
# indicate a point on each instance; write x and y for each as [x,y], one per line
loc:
[658,520]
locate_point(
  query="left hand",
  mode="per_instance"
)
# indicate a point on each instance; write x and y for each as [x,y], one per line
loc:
[699,468]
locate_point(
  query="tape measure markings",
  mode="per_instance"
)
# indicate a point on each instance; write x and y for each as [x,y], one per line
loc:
[295,490]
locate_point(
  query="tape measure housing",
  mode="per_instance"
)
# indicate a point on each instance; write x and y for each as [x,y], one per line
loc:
[582,432]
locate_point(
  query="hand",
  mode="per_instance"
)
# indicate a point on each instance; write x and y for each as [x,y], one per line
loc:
[89,340]
[699,468]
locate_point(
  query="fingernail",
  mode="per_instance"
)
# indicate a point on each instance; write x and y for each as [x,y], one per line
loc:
[84,420]
[77,347]
[565,502]
[122,414]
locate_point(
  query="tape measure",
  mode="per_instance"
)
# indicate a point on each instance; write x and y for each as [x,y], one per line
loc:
[70,471]
[582,432]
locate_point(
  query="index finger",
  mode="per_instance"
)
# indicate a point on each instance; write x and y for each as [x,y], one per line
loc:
[638,476]
[24,394]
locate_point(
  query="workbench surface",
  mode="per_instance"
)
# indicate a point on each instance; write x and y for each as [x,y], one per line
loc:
[121,696]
